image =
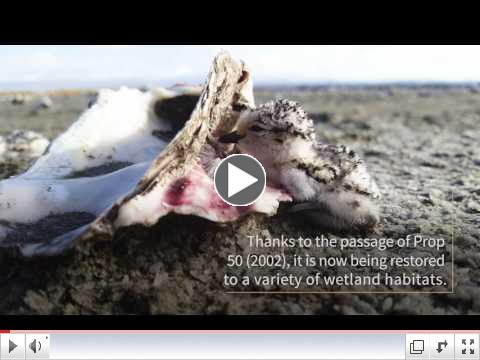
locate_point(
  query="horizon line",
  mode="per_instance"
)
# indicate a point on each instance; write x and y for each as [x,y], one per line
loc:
[57,86]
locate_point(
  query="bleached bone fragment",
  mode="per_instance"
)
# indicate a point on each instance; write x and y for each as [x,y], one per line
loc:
[131,158]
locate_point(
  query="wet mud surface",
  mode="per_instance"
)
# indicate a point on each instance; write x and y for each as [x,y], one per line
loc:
[421,145]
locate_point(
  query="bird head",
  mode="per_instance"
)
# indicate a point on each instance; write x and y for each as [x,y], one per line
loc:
[277,121]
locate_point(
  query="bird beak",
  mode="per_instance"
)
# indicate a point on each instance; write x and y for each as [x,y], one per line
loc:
[231,138]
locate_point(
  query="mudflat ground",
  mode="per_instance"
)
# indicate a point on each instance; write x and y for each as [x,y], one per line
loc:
[421,144]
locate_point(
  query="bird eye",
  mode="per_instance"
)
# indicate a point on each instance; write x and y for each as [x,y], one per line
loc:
[256,128]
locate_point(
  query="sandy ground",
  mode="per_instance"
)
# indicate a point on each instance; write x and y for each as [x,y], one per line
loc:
[420,144]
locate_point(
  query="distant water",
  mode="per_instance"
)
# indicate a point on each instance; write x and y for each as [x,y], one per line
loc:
[372,86]
[327,86]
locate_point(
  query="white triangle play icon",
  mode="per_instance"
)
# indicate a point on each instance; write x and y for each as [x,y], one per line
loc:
[238,180]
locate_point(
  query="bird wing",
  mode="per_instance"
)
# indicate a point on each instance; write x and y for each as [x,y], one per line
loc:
[309,205]
[337,166]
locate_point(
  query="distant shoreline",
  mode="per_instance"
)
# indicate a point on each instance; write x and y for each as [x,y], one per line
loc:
[321,87]
[55,92]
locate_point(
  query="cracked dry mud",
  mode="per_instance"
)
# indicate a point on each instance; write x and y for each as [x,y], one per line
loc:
[421,145]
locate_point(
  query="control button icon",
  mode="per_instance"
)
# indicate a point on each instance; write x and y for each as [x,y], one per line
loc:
[240,179]
[442,346]
[12,346]
[466,346]
[417,346]
[38,346]
[35,346]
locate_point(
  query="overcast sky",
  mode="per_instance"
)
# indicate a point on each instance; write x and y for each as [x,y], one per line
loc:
[23,67]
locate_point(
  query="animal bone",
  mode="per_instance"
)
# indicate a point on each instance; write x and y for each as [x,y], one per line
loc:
[116,167]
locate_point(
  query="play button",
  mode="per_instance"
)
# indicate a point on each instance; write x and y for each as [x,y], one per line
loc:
[11,346]
[240,179]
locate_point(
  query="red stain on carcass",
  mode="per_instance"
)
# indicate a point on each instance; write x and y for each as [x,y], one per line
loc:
[175,193]
[216,202]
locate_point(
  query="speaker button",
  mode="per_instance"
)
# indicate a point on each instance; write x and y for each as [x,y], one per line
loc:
[37,346]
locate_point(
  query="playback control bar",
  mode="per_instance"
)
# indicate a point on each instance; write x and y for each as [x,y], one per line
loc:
[239,345]
[24,346]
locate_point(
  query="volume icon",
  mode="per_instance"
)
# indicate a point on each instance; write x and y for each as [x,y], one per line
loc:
[35,346]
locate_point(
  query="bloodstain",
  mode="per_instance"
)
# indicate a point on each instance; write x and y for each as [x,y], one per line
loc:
[217,203]
[175,192]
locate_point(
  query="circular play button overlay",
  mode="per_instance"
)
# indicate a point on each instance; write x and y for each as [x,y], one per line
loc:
[240,179]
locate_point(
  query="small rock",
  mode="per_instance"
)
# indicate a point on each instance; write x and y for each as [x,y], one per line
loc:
[427,198]
[429,119]
[376,153]
[45,102]
[200,276]
[363,307]
[473,207]
[387,305]
[160,278]
[466,240]
[433,164]
[469,134]
[38,302]
[440,155]
[20,99]
[24,144]
[412,227]
[322,117]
